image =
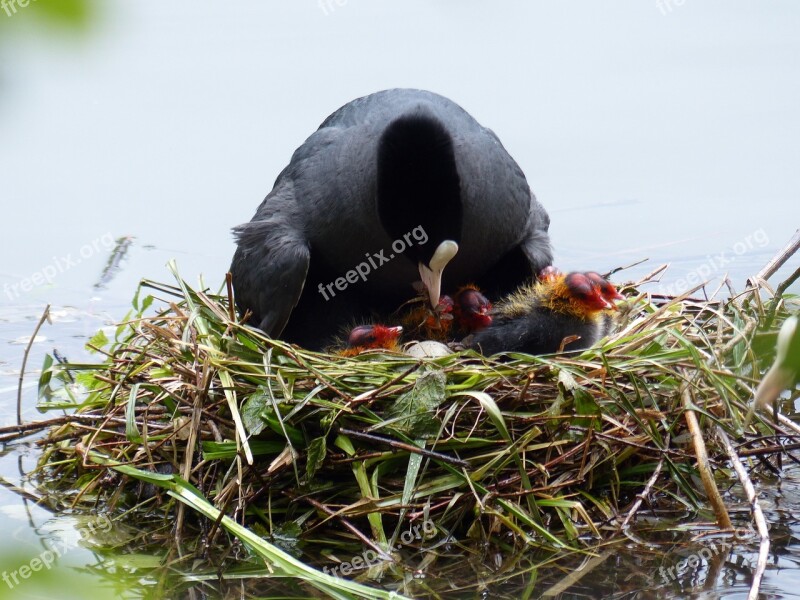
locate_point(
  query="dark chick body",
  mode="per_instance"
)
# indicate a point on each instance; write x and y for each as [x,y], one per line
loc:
[539,332]
[399,164]
[566,312]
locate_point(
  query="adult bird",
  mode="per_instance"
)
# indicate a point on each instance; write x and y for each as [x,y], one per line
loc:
[392,188]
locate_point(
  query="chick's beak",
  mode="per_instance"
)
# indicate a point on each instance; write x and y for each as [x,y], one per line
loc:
[431,274]
[395,331]
[599,302]
[616,296]
[612,296]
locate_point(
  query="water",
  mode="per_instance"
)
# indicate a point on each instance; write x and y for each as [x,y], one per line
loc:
[662,133]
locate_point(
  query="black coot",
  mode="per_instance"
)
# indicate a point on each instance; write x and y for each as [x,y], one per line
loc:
[389,190]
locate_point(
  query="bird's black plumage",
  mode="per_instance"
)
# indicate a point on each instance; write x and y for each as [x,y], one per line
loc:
[379,168]
[417,170]
[540,331]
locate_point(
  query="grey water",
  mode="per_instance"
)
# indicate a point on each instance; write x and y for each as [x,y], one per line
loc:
[665,131]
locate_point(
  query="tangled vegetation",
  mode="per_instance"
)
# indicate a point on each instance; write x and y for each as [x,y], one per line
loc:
[285,449]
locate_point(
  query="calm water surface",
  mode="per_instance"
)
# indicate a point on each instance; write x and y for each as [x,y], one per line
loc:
[667,134]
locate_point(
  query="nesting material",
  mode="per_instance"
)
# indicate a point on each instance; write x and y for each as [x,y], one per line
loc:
[557,451]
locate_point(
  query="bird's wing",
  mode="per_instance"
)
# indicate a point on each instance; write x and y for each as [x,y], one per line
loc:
[269,271]
[536,244]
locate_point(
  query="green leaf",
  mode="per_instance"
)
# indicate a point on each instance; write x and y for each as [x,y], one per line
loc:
[251,413]
[345,444]
[161,373]
[46,376]
[229,450]
[273,420]
[413,412]
[286,536]
[87,379]
[585,405]
[583,402]
[131,431]
[495,415]
[317,450]
[148,300]
[98,340]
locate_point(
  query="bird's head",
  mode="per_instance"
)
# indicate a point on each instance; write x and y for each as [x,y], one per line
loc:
[374,336]
[441,316]
[422,320]
[586,292]
[607,289]
[472,309]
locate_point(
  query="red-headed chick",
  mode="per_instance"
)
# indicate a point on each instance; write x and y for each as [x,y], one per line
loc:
[607,289]
[563,312]
[370,337]
[471,310]
[431,324]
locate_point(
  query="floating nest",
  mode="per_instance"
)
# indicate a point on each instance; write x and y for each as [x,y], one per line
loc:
[189,406]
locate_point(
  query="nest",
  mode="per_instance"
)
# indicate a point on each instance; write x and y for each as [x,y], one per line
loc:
[558,452]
